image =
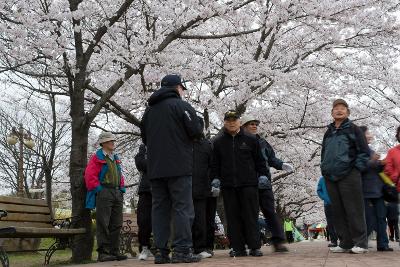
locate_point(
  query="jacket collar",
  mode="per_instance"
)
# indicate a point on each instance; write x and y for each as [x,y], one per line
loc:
[101,155]
[345,124]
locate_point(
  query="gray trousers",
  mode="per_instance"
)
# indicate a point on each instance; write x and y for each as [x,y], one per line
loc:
[348,210]
[109,204]
[172,197]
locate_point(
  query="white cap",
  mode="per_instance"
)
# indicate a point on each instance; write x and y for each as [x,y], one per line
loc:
[105,137]
[249,118]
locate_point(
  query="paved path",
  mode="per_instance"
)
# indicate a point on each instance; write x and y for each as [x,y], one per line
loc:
[304,254]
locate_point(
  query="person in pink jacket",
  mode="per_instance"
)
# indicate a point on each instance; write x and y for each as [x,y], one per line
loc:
[105,187]
[392,167]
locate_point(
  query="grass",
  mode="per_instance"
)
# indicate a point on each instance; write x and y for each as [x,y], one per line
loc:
[36,259]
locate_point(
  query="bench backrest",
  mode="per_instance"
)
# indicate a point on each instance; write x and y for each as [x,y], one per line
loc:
[25,212]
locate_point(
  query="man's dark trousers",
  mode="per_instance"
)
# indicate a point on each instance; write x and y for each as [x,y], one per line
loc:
[172,195]
[109,204]
[348,209]
[267,206]
[199,229]
[211,211]
[241,208]
[329,221]
[144,219]
[376,209]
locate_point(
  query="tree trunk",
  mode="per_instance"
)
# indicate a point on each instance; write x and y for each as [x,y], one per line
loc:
[48,178]
[83,244]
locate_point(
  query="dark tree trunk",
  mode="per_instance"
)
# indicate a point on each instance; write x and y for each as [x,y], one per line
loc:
[82,245]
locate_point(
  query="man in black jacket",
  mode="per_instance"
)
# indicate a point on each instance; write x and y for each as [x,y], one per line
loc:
[239,165]
[168,129]
[265,193]
[144,205]
[202,155]
[344,156]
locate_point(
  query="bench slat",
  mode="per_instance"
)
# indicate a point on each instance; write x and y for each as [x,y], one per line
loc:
[24,208]
[23,201]
[39,232]
[27,217]
[24,224]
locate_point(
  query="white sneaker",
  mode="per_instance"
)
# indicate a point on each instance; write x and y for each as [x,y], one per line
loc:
[205,255]
[145,254]
[339,250]
[358,250]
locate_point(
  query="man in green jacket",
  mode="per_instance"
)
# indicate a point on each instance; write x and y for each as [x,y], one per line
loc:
[344,156]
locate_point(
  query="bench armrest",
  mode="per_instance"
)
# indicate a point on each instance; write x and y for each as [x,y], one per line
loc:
[3,213]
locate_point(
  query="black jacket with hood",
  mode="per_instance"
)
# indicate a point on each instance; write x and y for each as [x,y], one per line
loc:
[168,128]
[141,165]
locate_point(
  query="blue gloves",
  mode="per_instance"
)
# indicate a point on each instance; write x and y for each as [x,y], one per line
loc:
[215,187]
[264,183]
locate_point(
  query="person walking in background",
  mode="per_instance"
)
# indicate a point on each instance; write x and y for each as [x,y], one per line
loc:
[288,227]
[265,193]
[144,205]
[238,167]
[375,209]
[202,157]
[105,184]
[392,166]
[323,194]
[169,127]
[344,156]
[392,215]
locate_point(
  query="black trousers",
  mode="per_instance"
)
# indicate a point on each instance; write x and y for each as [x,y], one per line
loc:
[348,210]
[267,206]
[330,227]
[211,211]
[172,202]
[241,208]
[394,229]
[109,203]
[289,237]
[144,219]
[199,228]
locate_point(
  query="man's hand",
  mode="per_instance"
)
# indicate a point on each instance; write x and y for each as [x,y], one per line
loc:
[287,167]
[215,187]
[264,183]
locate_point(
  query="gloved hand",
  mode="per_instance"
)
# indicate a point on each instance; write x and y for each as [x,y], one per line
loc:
[264,183]
[287,167]
[215,187]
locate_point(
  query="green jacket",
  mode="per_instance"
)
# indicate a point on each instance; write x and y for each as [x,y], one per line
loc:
[343,149]
[288,226]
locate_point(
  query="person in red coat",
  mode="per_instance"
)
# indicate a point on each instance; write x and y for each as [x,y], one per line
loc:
[392,167]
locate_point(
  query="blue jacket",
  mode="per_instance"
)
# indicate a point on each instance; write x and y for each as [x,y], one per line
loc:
[371,181]
[343,149]
[323,192]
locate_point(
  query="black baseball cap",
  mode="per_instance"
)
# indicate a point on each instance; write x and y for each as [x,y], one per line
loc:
[172,80]
[231,114]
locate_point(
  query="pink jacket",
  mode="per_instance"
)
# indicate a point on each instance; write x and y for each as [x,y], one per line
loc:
[392,167]
[94,175]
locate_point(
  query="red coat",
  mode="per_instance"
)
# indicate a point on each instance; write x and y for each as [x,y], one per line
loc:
[392,167]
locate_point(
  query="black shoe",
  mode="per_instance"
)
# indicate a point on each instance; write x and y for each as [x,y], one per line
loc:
[184,258]
[120,257]
[242,253]
[106,257]
[256,253]
[280,248]
[332,245]
[161,258]
[391,239]
[387,249]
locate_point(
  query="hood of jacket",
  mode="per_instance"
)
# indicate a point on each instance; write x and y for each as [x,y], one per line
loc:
[161,94]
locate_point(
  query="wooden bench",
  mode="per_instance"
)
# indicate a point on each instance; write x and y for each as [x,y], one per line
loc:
[31,218]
